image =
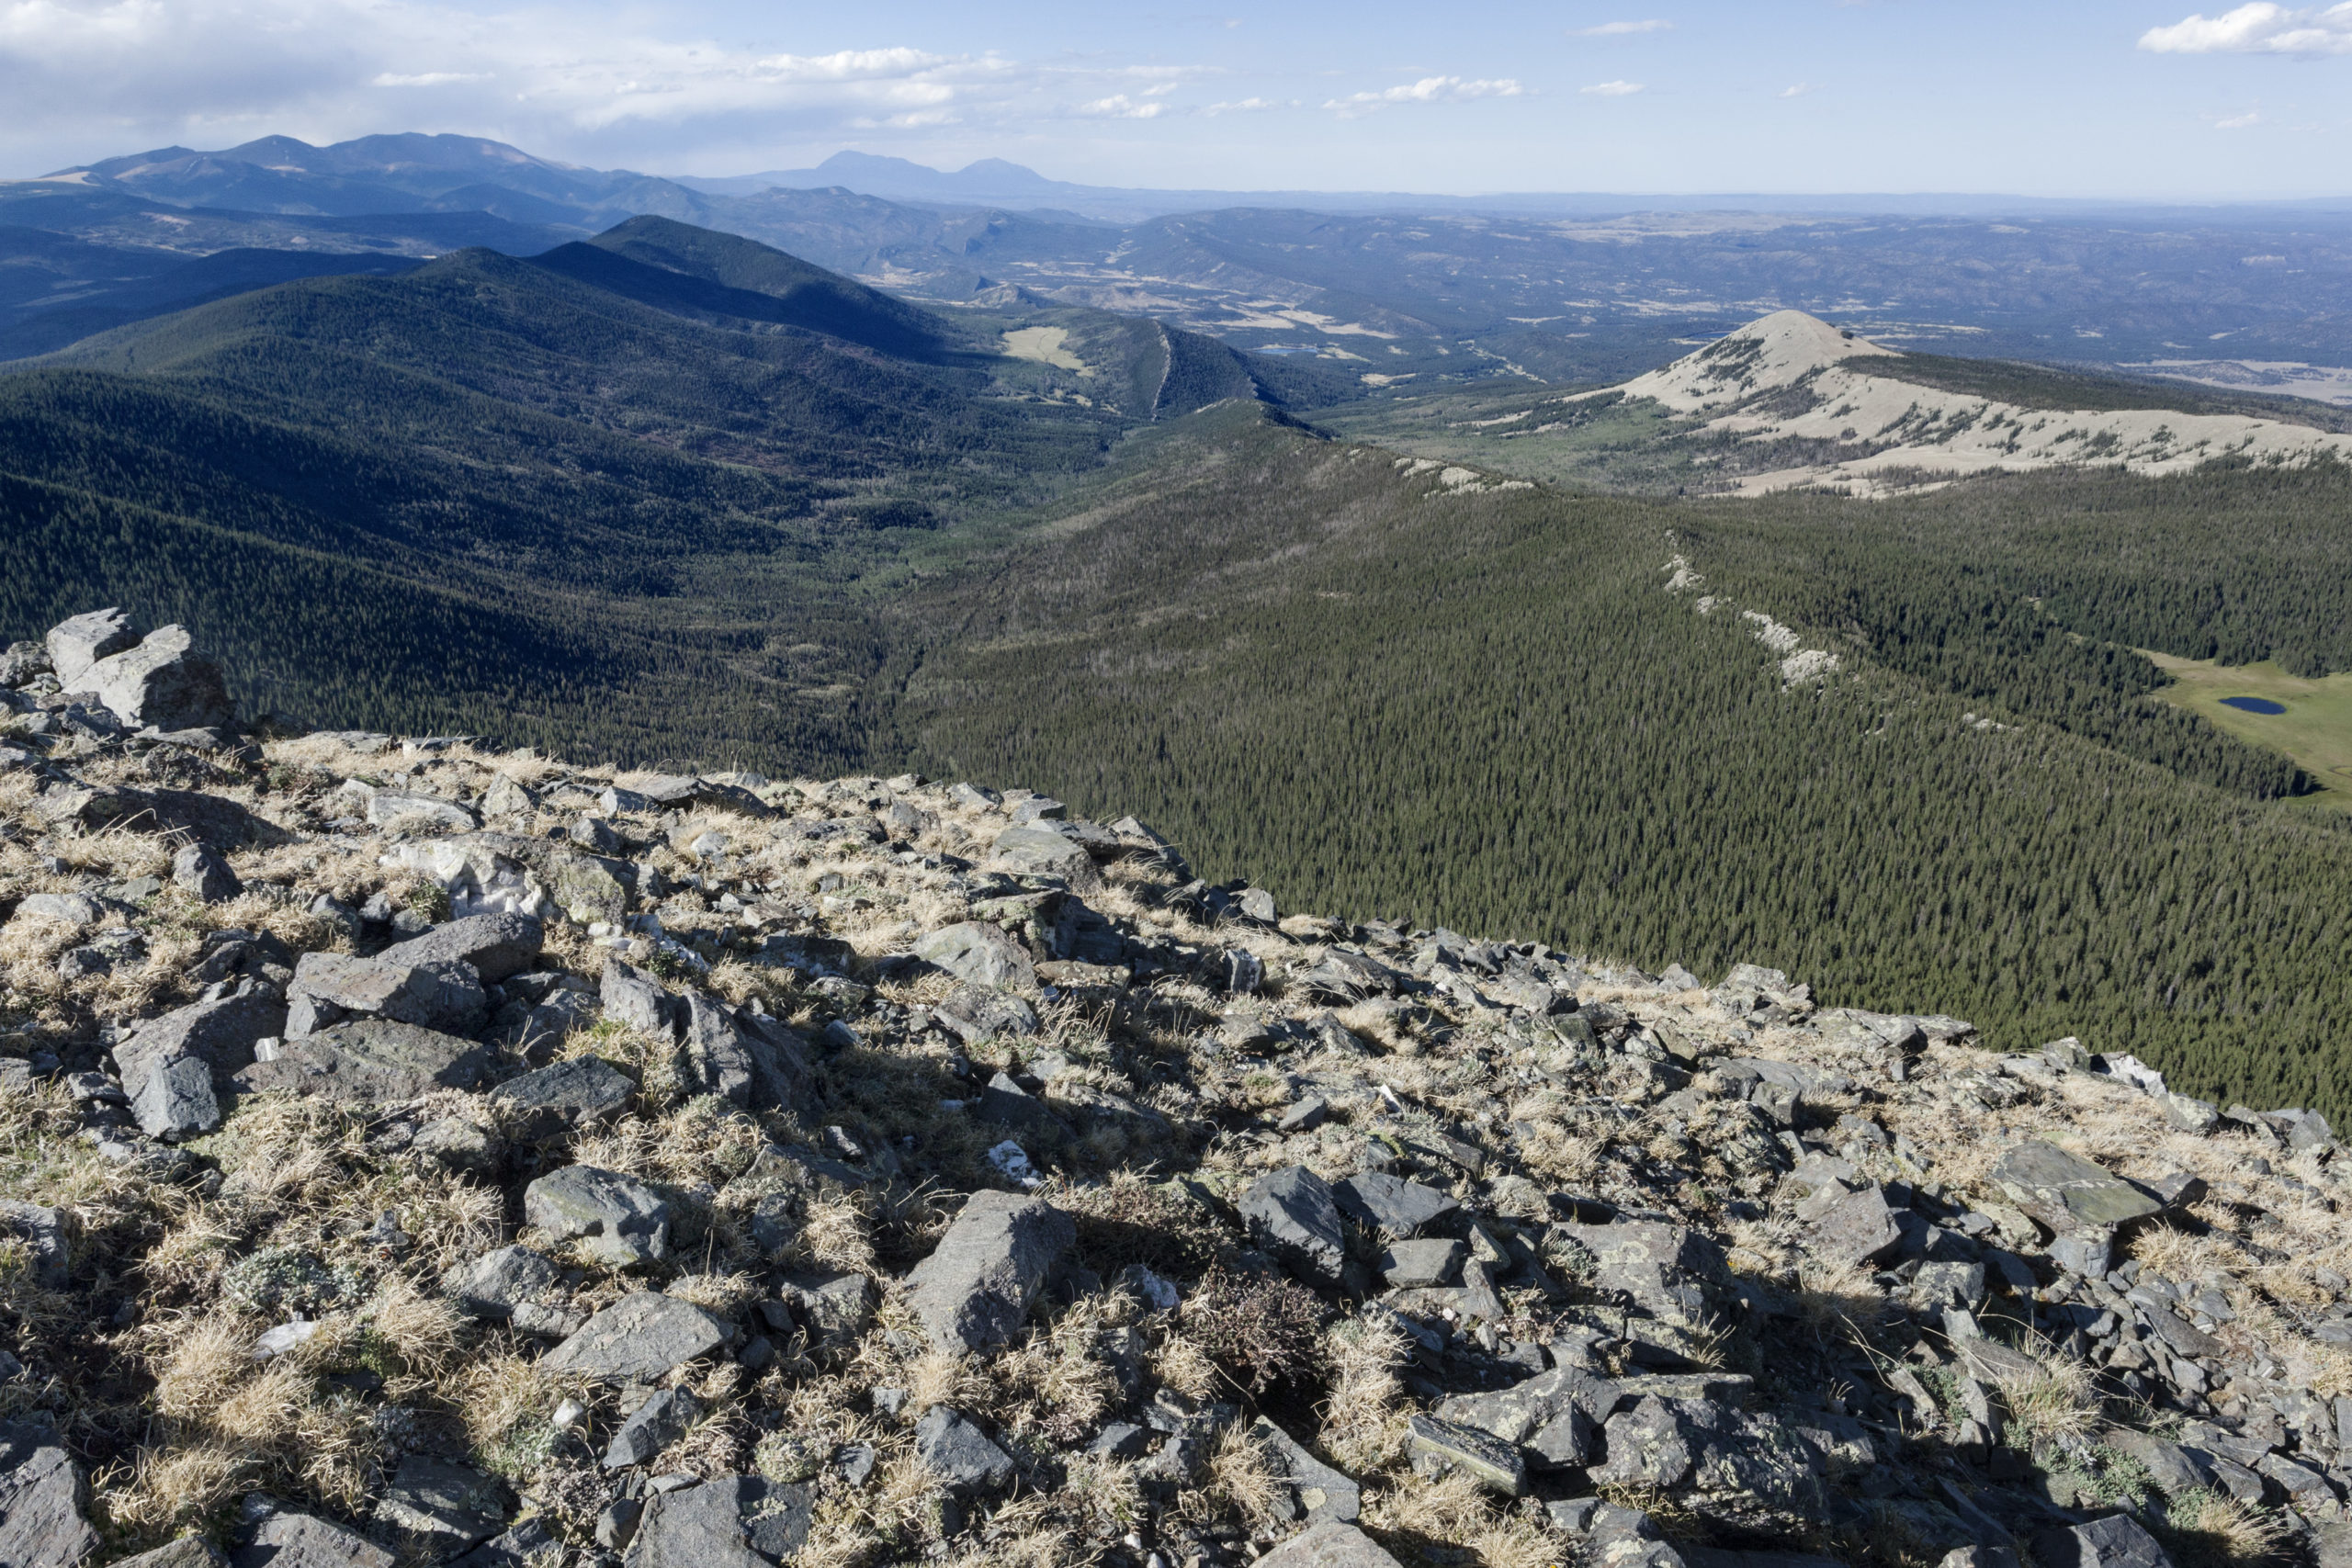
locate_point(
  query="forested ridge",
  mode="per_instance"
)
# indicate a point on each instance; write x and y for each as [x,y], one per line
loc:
[1487,711]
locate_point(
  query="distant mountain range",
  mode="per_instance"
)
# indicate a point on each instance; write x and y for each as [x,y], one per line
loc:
[1387,290]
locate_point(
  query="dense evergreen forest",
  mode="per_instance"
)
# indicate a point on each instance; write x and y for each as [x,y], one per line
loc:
[682,499]
[1486,711]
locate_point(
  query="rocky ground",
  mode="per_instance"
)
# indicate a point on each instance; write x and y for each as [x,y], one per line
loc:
[419,1152]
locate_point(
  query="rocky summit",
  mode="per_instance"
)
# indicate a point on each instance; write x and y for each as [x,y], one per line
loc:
[421,1152]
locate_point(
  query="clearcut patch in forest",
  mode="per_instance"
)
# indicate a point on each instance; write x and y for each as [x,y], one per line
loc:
[2315,730]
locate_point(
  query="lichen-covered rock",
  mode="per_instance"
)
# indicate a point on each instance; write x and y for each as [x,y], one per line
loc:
[975,1289]
[367,1060]
[1293,1214]
[616,1218]
[638,1338]
[40,1498]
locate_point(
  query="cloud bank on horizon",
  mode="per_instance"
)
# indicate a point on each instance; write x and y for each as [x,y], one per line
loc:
[2040,100]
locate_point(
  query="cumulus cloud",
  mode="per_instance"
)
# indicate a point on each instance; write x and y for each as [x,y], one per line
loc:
[1250,105]
[1622,29]
[1796,90]
[1611,89]
[1118,105]
[2239,121]
[1428,90]
[85,78]
[2259,28]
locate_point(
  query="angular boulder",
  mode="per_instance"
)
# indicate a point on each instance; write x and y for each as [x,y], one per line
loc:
[980,953]
[220,1032]
[620,1220]
[494,1284]
[177,1100]
[1332,1544]
[498,945]
[200,870]
[440,993]
[444,1508]
[559,1099]
[638,1338]
[634,999]
[1856,1229]
[1293,1214]
[976,1286]
[162,682]
[1395,1207]
[40,1498]
[2115,1541]
[2067,1193]
[959,1453]
[368,1062]
[44,1235]
[305,1540]
[1557,1413]
[652,1427]
[74,645]
[1041,852]
[1657,1267]
[694,1527]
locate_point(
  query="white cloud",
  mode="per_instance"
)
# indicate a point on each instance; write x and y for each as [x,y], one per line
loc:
[1250,105]
[1611,89]
[1797,91]
[2259,28]
[89,78]
[2239,121]
[1622,29]
[1118,105]
[1428,90]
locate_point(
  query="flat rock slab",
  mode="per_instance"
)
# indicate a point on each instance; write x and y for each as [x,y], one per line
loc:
[448,1507]
[1655,1265]
[368,1061]
[980,953]
[1330,1545]
[497,945]
[959,1453]
[188,1551]
[1493,1462]
[976,1286]
[638,1338]
[2116,1542]
[494,1284]
[305,1540]
[1856,1229]
[1032,851]
[1324,1493]
[619,1219]
[1390,1205]
[1410,1264]
[2067,1193]
[696,1527]
[220,1033]
[1292,1213]
[1559,1414]
[441,994]
[553,1101]
[40,1499]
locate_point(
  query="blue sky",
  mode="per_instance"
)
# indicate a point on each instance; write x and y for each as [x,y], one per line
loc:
[2133,99]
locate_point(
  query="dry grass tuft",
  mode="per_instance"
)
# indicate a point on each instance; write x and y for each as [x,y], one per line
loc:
[2211,1529]
[1363,1421]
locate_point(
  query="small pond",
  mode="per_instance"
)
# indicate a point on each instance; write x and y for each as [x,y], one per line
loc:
[2253,704]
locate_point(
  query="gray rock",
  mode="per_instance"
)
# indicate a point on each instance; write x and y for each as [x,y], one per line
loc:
[1324,1494]
[74,909]
[1028,851]
[652,1427]
[188,1551]
[305,1540]
[2168,1464]
[1330,1545]
[220,1032]
[498,945]
[386,807]
[443,994]
[163,681]
[778,1517]
[506,798]
[445,1508]
[1389,1204]
[1305,1116]
[2090,1253]
[368,1061]
[976,1286]
[714,1057]
[959,1453]
[175,1101]
[2190,1114]
[634,999]
[1005,1102]
[982,1012]
[494,1284]
[517,1548]
[74,645]
[620,1220]
[1559,1414]
[834,1308]
[1746,1469]
[43,1234]
[1856,1229]
[694,1527]
[202,870]
[980,953]
[638,1339]
[1410,1264]
[457,1145]
[40,1497]
[1657,1267]
[1445,1445]
[2115,1541]
[781,1078]
[2065,1191]
[557,1101]
[1292,1213]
